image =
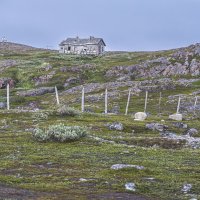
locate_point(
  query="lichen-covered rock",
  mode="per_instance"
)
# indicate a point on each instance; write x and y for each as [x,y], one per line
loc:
[157,127]
[115,126]
[177,117]
[140,116]
[122,166]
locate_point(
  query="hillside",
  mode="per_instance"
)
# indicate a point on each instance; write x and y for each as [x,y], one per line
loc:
[165,153]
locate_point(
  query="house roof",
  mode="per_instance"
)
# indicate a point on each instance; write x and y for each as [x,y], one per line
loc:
[79,41]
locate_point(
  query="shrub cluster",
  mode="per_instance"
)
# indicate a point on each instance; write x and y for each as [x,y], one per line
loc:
[67,111]
[60,133]
[40,115]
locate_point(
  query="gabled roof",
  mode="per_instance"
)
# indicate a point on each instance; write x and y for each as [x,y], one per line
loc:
[79,41]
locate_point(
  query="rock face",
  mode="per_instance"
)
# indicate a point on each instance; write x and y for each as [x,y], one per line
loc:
[140,116]
[36,92]
[177,117]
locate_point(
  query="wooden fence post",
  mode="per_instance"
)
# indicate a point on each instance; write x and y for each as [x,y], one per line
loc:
[8,96]
[106,101]
[128,101]
[145,106]
[178,106]
[83,100]
[57,97]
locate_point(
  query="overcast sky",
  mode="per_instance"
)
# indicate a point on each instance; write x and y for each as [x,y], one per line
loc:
[134,25]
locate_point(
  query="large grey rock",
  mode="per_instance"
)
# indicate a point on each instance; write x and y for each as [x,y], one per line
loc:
[180,125]
[177,117]
[140,116]
[192,132]
[2,105]
[115,126]
[130,186]
[157,127]
[122,166]
[186,188]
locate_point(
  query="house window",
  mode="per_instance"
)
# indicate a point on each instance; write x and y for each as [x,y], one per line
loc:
[69,48]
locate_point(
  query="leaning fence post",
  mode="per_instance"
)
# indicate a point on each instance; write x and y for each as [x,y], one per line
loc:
[145,106]
[128,101]
[178,106]
[82,101]
[8,97]
[106,101]
[160,98]
[57,97]
[195,103]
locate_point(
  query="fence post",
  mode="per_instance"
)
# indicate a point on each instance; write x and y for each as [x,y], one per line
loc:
[57,97]
[8,97]
[160,98]
[178,106]
[106,101]
[145,106]
[82,100]
[128,101]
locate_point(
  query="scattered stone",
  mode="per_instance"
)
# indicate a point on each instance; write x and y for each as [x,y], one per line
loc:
[130,186]
[2,105]
[115,126]
[192,132]
[122,166]
[140,116]
[186,188]
[177,117]
[82,179]
[157,127]
[180,125]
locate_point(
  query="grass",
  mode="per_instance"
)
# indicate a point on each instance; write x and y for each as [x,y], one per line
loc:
[56,168]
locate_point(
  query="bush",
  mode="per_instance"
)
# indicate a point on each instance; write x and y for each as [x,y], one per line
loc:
[67,111]
[60,133]
[41,115]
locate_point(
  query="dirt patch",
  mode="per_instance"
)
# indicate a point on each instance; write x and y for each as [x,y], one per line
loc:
[11,193]
[122,196]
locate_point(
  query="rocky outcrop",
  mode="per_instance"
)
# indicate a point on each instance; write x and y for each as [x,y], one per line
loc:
[5,81]
[36,92]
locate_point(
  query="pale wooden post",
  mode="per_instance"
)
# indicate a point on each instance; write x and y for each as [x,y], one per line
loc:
[57,97]
[106,101]
[145,106]
[128,101]
[160,98]
[83,100]
[195,103]
[178,106]
[8,97]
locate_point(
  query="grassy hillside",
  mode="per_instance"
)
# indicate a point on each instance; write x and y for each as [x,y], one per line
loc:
[82,169]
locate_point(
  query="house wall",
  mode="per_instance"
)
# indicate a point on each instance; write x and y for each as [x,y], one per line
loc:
[83,49]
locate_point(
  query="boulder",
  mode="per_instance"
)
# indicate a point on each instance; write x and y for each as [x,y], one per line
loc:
[186,188]
[180,125]
[192,132]
[2,105]
[115,126]
[140,116]
[177,117]
[130,186]
[157,127]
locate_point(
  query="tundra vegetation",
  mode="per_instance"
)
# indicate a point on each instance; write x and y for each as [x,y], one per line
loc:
[43,154]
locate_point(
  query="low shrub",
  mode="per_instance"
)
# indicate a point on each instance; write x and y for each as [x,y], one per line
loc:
[67,111]
[40,115]
[60,133]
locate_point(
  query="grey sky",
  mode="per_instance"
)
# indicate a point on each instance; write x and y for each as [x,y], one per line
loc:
[124,24]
